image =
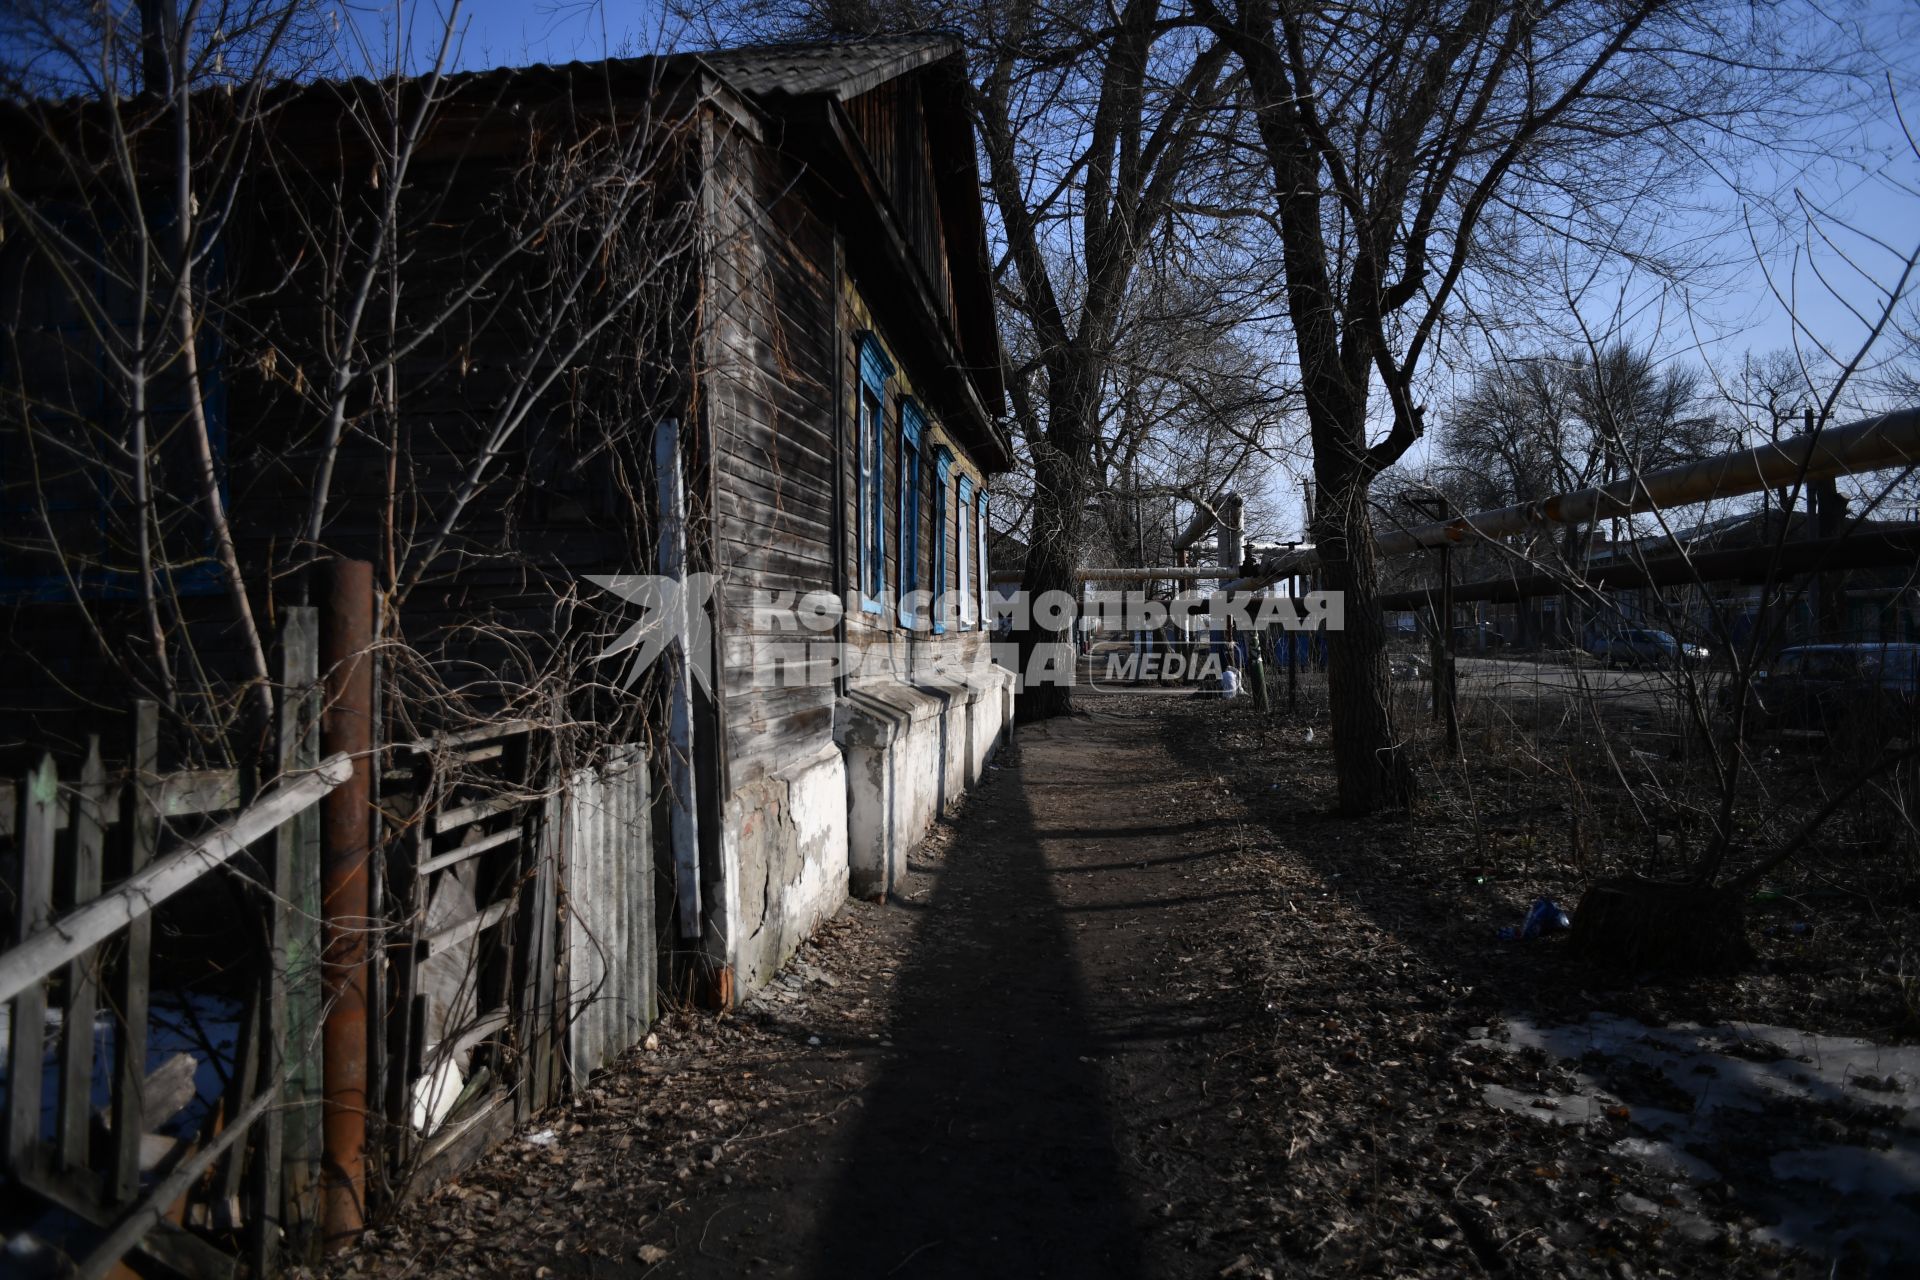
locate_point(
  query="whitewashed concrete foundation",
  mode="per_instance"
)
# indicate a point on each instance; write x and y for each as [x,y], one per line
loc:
[911,751]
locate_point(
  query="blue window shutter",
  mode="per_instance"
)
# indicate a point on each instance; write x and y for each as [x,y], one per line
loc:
[980,538]
[942,473]
[964,534]
[913,425]
[875,369]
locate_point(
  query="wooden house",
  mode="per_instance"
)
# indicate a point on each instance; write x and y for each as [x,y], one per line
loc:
[851,385]
[797,281]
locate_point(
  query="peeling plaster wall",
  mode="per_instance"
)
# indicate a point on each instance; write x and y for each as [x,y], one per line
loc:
[785,846]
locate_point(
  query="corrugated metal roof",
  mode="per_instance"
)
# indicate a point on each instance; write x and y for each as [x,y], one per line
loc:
[842,70]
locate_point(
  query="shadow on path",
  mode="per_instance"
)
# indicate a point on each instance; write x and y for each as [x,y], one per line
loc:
[985,1146]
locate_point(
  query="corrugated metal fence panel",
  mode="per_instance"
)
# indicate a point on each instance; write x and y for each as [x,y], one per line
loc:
[610,949]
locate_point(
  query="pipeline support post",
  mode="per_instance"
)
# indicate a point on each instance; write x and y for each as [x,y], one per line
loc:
[346,725]
[1293,652]
[1450,710]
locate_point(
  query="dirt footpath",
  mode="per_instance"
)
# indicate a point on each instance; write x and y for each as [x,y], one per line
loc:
[1117,1026]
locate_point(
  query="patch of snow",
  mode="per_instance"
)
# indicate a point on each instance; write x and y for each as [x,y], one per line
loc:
[1667,1156]
[1748,1084]
[1555,1108]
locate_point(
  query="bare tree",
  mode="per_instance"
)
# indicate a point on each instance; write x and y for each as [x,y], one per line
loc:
[1197,404]
[340,262]
[1417,153]
[1531,426]
[1715,816]
[261,318]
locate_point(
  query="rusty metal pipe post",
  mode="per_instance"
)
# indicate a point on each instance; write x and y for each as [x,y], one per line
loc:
[346,724]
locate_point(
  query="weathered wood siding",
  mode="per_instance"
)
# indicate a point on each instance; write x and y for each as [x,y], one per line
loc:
[891,122]
[767,339]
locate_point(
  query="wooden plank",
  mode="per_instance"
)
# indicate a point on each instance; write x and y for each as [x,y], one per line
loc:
[140,893]
[182,795]
[799,454]
[670,560]
[130,979]
[405,1012]
[453,857]
[83,973]
[244,1083]
[527,955]
[746,591]
[195,791]
[748,572]
[77,1192]
[486,1024]
[768,496]
[461,815]
[39,796]
[776,739]
[297,944]
[454,1148]
[545,955]
[460,930]
[540,872]
[772,497]
[152,1208]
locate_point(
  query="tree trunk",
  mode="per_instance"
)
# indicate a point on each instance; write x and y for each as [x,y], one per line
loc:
[1370,763]
[1059,504]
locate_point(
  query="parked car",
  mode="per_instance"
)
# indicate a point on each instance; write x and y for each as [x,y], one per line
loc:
[1639,647]
[1868,687]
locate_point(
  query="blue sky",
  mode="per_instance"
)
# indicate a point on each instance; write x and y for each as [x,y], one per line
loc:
[516,32]
[1823,240]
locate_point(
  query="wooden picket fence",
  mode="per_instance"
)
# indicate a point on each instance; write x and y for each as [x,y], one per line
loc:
[519,913]
[250,1175]
[514,953]
[470,890]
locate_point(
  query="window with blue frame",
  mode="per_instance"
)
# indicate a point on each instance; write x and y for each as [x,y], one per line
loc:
[942,474]
[69,518]
[980,546]
[875,369]
[963,535]
[913,426]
